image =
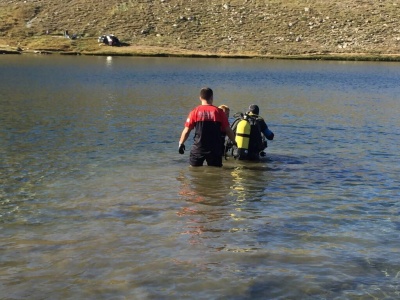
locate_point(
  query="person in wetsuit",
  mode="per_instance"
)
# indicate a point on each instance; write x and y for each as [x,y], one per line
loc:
[257,143]
[226,110]
[208,121]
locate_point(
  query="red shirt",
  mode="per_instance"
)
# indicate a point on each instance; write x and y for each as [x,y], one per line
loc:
[207,120]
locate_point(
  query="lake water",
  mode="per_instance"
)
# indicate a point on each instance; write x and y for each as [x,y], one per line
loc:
[96,202]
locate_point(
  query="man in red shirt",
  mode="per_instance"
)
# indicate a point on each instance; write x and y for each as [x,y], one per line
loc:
[208,122]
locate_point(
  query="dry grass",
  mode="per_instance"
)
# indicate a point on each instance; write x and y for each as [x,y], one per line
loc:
[318,29]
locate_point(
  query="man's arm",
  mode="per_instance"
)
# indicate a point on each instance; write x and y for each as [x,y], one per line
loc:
[268,134]
[184,136]
[182,140]
[265,130]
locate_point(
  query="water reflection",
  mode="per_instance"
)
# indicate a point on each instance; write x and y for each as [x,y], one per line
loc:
[250,180]
[219,204]
[206,192]
[109,61]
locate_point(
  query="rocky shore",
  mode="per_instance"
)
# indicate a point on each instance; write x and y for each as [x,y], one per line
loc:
[302,29]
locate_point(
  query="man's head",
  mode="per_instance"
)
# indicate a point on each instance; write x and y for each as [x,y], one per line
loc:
[254,109]
[206,94]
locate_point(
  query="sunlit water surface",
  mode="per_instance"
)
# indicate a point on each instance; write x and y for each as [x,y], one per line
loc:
[96,202]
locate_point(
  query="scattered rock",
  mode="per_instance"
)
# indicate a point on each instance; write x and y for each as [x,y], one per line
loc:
[232,26]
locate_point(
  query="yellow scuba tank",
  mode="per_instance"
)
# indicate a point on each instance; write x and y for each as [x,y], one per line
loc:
[242,138]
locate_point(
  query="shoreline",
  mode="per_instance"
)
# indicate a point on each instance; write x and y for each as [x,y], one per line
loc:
[168,52]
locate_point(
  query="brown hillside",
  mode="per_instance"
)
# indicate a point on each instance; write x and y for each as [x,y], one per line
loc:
[235,27]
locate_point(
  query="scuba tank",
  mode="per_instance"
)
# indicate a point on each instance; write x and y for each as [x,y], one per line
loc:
[250,141]
[242,138]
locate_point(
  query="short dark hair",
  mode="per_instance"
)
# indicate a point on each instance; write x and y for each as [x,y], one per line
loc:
[206,93]
[254,109]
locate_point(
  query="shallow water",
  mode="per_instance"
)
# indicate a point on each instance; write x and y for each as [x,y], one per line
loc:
[96,202]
